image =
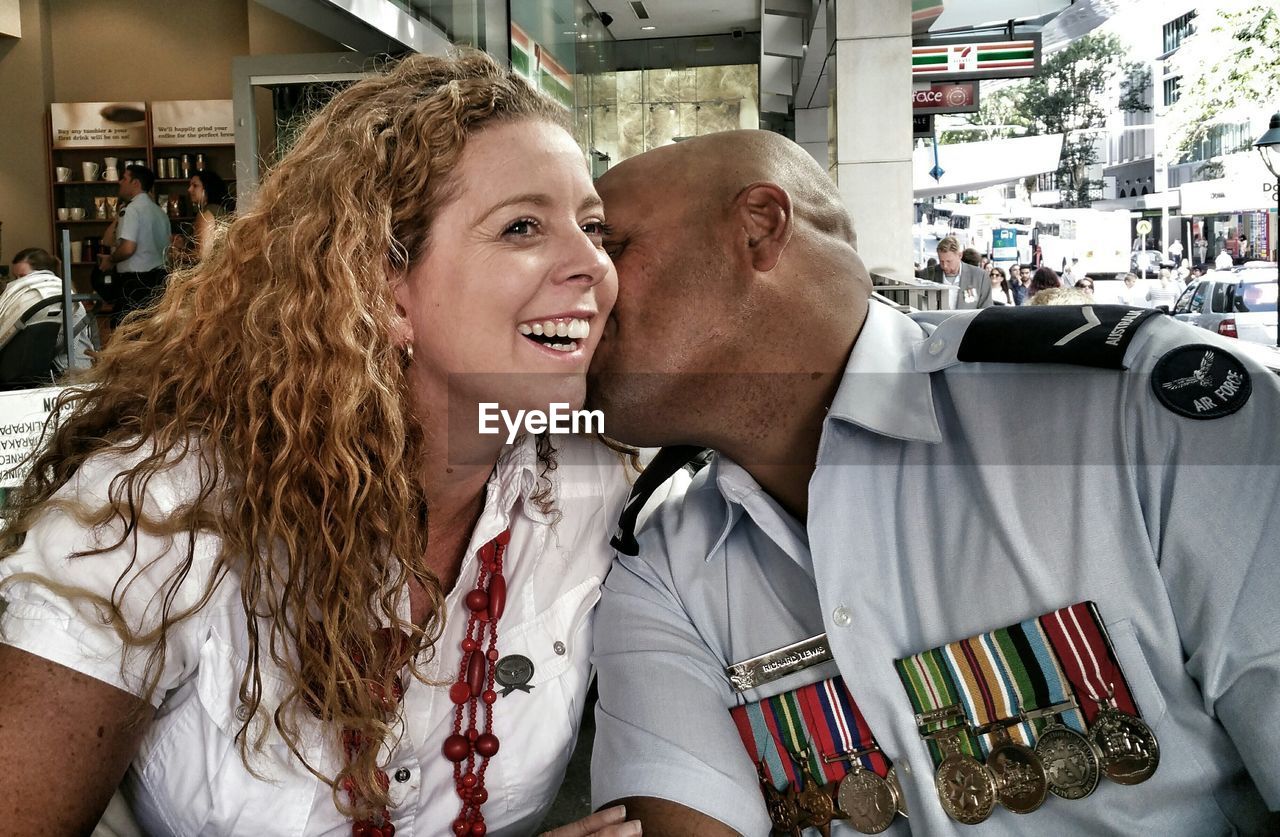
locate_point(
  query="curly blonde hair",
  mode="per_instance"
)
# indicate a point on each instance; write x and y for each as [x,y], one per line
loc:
[273,359]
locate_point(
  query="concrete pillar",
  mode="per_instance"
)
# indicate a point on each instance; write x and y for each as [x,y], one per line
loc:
[811,132]
[870,127]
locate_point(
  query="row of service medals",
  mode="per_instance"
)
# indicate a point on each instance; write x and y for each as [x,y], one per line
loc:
[1064,762]
[866,799]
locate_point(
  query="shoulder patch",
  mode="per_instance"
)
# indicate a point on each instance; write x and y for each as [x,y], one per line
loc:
[1081,335]
[1200,381]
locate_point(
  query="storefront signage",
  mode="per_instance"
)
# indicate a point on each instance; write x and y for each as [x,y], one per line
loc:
[22,416]
[921,125]
[946,97]
[195,122]
[99,124]
[970,58]
[1213,197]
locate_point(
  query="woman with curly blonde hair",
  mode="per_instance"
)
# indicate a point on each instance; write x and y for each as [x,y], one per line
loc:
[267,570]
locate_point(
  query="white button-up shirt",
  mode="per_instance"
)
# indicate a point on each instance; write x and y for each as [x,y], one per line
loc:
[188,777]
[920,534]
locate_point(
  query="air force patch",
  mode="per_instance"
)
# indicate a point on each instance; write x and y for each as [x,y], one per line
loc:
[1201,382]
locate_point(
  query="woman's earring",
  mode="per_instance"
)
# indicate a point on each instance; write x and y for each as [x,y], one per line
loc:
[408,353]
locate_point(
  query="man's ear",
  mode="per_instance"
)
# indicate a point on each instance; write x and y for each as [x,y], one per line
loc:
[764,215]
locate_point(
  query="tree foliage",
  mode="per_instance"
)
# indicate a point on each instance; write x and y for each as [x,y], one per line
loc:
[1230,69]
[1001,107]
[1072,96]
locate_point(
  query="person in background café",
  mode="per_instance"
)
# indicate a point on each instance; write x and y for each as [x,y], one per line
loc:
[35,273]
[139,239]
[208,193]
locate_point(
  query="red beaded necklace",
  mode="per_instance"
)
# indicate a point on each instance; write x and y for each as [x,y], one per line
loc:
[469,752]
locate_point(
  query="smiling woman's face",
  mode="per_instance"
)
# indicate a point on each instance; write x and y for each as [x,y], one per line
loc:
[514,280]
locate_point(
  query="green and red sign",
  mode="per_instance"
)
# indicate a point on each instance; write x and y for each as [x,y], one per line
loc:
[958,60]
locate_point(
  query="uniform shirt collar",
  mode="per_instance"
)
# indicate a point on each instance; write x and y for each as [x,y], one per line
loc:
[743,495]
[883,390]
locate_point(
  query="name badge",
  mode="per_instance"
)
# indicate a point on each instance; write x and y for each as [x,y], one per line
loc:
[774,665]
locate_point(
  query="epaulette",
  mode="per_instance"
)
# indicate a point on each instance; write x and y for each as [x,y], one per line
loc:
[664,465]
[1195,381]
[1080,335]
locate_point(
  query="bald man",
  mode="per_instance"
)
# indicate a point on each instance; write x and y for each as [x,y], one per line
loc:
[854,612]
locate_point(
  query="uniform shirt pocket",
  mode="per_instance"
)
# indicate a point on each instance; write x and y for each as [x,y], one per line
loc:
[1146,693]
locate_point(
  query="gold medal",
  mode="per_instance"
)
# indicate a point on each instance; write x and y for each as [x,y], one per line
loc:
[815,805]
[783,813]
[900,800]
[965,787]
[1021,784]
[1130,752]
[867,800]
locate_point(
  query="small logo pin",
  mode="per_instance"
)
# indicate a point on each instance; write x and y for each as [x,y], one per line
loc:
[514,671]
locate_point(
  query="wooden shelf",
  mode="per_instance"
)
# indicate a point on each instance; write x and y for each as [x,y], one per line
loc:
[84,221]
[115,183]
[96,148]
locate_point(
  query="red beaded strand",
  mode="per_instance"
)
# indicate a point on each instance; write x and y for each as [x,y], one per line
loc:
[476,674]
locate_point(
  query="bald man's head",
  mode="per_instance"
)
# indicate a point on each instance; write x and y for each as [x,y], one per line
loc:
[732,250]
[711,170]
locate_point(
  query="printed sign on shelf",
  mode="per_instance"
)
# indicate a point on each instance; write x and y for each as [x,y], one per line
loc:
[194,122]
[22,417]
[952,59]
[99,124]
[946,97]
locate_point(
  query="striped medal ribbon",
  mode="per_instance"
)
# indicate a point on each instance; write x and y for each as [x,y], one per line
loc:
[814,738]
[966,788]
[1127,748]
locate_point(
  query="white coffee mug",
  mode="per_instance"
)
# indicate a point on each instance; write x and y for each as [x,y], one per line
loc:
[111,162]
[77,250]
[90,170]
[77,213]
[111,173]
[63,213]
[62,173]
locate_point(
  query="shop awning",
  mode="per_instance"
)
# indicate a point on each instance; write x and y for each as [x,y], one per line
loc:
[977,165]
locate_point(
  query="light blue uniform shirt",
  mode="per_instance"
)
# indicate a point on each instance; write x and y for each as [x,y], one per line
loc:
[921,533]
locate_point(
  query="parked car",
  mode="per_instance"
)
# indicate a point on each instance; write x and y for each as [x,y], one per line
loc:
[1234,303]
[1146,261]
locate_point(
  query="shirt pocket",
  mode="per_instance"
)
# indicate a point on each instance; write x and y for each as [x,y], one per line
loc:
[1146,693]
[194,775]
[543,723]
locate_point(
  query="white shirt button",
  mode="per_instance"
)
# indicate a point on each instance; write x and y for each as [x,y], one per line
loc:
[904,767]
[841,616]
[558,647]
[242,713]
[937,345]
[402,775]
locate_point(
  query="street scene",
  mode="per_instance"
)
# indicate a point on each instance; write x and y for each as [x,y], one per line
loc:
[1160,186]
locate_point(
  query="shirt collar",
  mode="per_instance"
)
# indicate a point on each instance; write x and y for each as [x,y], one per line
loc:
[883,390]
[515,477]
[743,496]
